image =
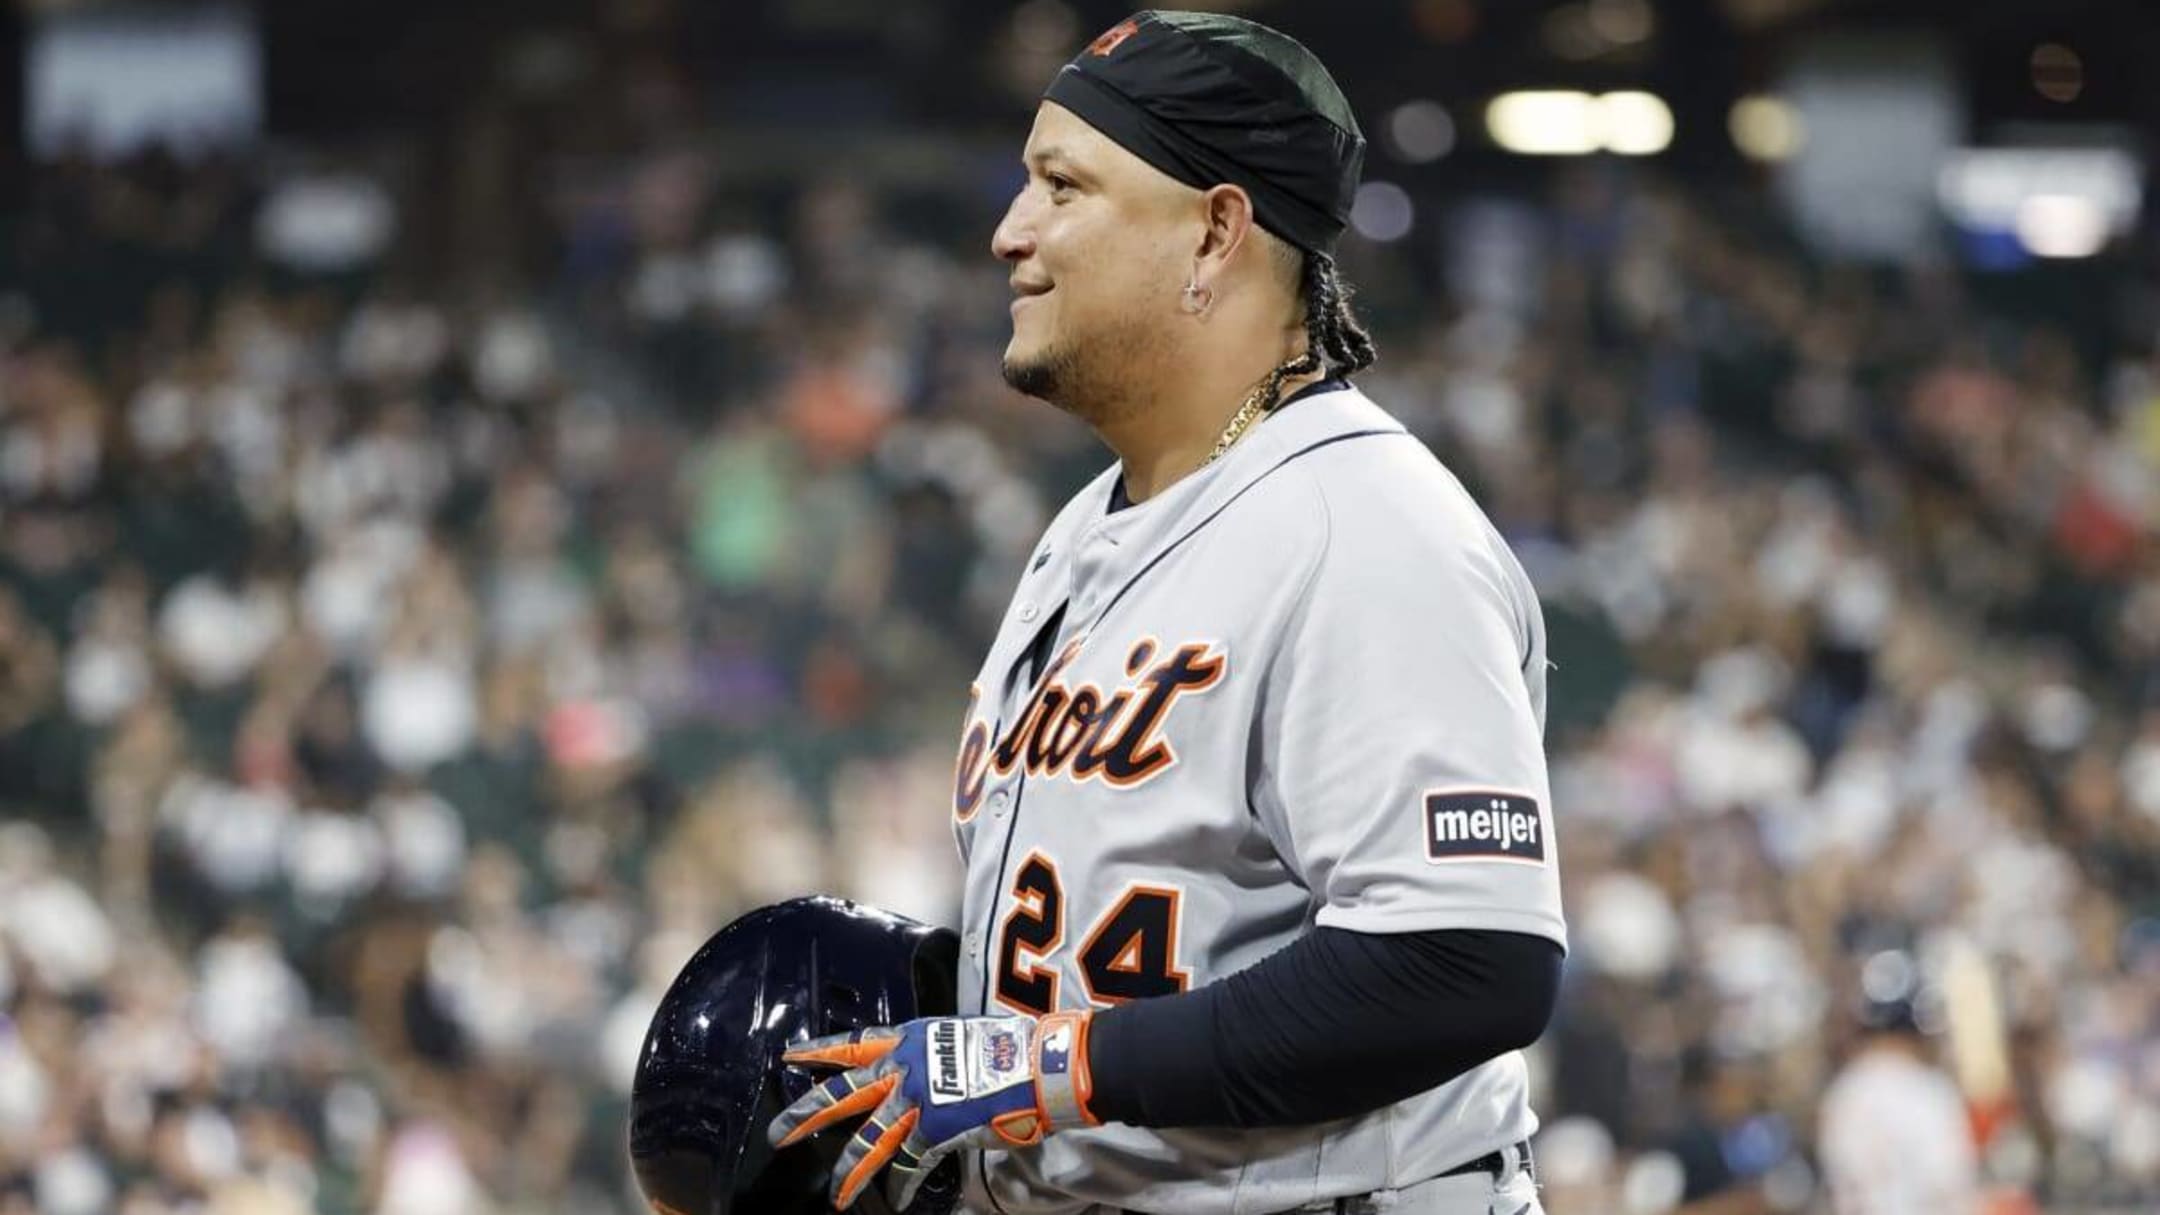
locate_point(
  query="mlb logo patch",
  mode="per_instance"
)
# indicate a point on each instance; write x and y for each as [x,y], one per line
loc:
[1483,825]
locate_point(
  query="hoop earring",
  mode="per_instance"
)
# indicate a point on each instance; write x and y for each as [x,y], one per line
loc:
[1197,298]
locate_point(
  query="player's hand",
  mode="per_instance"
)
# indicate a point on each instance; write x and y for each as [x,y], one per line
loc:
[936,1085]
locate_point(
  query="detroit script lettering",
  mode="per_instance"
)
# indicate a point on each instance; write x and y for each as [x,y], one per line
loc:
[1084,732]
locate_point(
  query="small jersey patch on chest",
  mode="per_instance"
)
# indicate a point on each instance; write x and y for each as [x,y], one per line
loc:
[1483,825]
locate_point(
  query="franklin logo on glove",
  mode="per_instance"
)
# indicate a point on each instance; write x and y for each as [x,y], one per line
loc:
[945,1083]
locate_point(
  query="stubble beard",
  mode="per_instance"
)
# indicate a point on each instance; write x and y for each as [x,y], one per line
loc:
[1090,384]
[1048,376]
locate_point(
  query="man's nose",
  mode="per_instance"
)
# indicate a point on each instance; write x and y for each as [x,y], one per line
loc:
[1014,237]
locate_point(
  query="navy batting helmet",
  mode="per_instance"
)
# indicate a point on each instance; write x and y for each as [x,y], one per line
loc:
[710,1078]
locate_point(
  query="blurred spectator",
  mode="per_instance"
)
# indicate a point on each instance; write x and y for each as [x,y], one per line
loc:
[1711,1140]
[1894,1131]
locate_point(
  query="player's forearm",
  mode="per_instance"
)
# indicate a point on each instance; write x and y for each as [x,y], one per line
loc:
[1338,1023]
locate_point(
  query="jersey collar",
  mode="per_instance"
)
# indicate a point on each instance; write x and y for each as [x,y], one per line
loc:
[1115,549]
[1328,410]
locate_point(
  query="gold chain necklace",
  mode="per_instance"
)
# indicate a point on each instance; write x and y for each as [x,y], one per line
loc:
[1240,422]
[1255,407]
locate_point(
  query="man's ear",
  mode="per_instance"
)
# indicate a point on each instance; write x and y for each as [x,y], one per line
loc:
[1227,223]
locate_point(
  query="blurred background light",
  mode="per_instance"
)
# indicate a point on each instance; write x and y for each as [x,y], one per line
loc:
[2061,226]
[1765,128]
[1420,131]
[1382,211]
[116,78]
[1544,123]
[1634,124]
[1569,123]
[2058,202]
[1622,22]
[2058,73]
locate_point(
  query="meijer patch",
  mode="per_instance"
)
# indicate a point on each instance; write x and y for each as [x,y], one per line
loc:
[1484,825]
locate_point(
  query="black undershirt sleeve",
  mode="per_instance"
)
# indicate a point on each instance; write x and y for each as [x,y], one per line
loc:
[1335,1024]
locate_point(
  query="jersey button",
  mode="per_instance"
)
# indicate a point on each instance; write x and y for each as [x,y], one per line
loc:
[1027,613]
[998,801]
[974,945]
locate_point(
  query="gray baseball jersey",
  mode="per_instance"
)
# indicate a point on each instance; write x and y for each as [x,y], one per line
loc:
[1304,685]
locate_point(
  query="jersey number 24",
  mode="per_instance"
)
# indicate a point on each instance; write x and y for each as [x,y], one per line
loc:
[1129,954]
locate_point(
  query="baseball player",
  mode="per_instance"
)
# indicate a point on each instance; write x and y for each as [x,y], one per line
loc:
[1261,897]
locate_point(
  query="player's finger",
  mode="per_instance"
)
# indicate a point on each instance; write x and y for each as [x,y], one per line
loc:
[860,1049]
[909,1169]
[825,1043]
[838,1099]
[872,1148]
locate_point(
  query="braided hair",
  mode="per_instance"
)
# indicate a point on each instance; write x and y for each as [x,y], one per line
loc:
[1334,341]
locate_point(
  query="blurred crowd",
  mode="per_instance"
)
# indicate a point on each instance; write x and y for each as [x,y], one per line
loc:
[400,675]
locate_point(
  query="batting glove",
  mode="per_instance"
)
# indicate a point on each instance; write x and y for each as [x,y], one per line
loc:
[937,1085]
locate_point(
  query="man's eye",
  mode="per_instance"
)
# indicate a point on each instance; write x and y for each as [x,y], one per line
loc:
[1057,184]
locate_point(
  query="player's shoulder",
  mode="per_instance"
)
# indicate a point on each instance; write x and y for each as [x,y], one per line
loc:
[1388,505]
[1386,488]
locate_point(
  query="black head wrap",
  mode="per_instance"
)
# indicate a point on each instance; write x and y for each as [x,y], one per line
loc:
[1210,99]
